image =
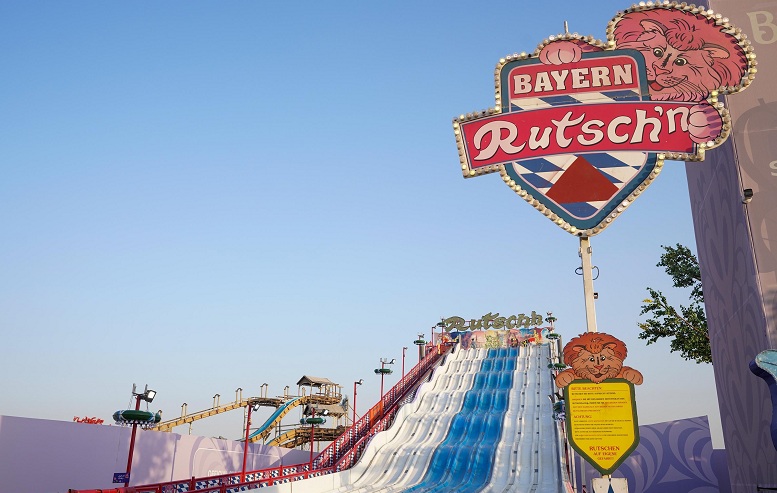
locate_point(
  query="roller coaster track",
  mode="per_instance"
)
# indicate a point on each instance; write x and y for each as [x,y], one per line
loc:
[283,404]
[264,431]
[301,436]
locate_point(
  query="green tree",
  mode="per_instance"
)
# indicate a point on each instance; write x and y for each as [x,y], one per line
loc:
[686,327]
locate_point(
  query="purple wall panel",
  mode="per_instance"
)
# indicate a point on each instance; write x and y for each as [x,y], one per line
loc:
[672,457]
[735,316]
[736,254]
[754,133]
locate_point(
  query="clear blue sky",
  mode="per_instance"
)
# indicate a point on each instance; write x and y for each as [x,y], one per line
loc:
[208,195]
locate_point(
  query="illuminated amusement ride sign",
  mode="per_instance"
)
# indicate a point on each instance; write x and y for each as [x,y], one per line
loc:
[581,127]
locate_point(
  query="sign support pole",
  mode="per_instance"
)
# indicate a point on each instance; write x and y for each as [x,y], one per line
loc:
[590,308]
[588,291]
[588,283]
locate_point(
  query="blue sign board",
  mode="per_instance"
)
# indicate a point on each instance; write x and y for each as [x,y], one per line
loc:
[121,477]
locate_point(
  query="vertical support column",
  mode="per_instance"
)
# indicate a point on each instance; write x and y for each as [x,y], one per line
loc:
[588,283]
[245,443]
[132,438]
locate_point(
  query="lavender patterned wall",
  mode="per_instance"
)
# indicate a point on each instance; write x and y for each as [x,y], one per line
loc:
[672,457]
[40,455]
[735,254]
[735,318]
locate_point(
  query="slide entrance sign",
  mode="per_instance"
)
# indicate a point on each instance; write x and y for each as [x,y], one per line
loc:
[602,421]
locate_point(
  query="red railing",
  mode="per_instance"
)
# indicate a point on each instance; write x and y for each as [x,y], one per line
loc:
[378,418]
[340,455]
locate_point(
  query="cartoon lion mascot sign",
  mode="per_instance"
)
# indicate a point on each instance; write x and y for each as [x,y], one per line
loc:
[596,356]
[689,55]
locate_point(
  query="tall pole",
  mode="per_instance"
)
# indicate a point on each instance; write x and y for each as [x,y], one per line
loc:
[357,382]
[382,370]
[588,283]
[312,427]
[382,365]
[245,444]
[353,420]
[420,343]
[132,440]
[588,293]
[404,350]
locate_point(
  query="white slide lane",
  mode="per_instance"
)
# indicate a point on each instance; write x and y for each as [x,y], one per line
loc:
[527,457]
[400,458]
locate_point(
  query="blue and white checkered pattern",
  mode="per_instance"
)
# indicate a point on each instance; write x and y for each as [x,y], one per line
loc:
[619,168]
[208,483]
[520,104]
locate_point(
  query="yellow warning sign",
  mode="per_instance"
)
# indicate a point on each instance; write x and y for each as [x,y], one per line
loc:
[602,421]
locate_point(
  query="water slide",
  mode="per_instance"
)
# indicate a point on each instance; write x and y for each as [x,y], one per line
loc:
[527,458]
[275,418]
[482,424]
[465,459]
[400,455]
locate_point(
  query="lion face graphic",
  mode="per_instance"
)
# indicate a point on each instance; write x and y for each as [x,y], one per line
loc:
[687,55]
[596,356]
[597,362]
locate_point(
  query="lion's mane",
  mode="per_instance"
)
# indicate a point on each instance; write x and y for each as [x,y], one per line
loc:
[686,31]
[593,342]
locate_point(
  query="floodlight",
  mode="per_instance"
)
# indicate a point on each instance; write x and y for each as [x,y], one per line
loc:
[747,195]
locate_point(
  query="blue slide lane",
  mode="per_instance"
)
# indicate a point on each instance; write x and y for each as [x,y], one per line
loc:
[464,460]
[274,416]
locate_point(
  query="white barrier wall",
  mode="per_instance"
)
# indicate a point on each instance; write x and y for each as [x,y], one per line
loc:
[45,456]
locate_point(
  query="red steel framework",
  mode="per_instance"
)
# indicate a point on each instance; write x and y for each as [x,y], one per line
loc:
[338,456]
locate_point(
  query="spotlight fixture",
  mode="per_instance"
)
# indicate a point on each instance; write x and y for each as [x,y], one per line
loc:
[747,195]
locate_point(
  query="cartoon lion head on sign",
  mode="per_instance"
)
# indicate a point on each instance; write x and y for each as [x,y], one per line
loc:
[596,356]
[689,54]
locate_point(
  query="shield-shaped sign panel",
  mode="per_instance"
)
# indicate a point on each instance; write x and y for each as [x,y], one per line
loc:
[581,188]
[581,127]
[579,141]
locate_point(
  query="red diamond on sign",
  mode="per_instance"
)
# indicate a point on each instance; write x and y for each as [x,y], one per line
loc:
[581,182]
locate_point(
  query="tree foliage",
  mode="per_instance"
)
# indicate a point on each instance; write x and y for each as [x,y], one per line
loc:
[686,327]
